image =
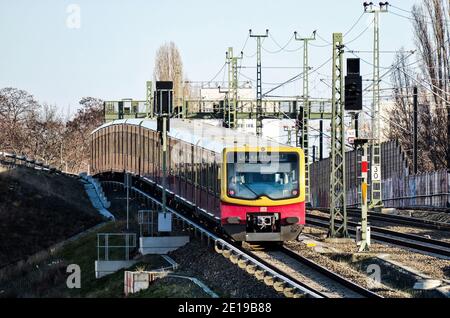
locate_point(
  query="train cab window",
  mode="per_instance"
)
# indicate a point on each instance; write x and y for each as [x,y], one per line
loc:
[251,175]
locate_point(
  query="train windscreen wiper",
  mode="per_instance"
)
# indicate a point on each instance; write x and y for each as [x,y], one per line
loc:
[248,187]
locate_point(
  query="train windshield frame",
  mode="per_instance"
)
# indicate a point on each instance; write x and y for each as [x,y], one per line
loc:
[252,175]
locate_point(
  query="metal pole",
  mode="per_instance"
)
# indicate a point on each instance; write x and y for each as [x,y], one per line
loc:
[321,140]
[376,156]
[259,112]
[364,244]
[231,114]
[149,103]
[164,163]
[415,132]
[314,153]
[258,89]
[375,167]
[303,142]
[338,209]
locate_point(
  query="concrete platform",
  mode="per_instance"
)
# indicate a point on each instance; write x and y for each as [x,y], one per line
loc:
[389,210]
[161,244]
[104,268]
[427,284]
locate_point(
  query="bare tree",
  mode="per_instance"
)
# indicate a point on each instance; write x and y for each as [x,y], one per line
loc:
[76,146]
[401,114]
[432,36]
[169,67]
[46,131]
[16,108]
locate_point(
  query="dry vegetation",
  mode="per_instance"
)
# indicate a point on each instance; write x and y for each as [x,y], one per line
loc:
[38,131]
[429,69]
[39,209]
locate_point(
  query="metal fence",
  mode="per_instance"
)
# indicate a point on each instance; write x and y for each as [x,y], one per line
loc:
[431,189]
[115,246]
[399,187]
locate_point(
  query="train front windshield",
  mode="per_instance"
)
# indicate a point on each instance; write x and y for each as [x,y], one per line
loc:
[251,175]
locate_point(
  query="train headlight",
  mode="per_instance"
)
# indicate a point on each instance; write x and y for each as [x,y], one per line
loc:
[231,192]
[294,192]
[234,220]
[292,220]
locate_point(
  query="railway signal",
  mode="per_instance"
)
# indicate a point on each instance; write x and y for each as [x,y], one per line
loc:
[353,86]
[363,230]
[163,109]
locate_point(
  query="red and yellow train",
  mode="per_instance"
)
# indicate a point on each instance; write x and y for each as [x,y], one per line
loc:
[252,187]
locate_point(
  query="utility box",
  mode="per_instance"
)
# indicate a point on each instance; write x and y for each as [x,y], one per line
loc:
[359,235]
[164,222]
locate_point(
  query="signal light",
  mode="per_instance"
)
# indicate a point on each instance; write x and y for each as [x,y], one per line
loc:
[353,86]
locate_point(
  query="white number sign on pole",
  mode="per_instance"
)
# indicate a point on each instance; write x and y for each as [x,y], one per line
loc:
[376,173]
[351,135]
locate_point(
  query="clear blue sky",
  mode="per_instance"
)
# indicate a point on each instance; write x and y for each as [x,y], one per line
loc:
[112,54]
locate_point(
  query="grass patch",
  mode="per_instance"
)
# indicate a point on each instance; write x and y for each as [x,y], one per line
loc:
[47,276]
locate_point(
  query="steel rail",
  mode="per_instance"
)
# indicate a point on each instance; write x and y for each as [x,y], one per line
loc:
[330,274]
[398,219]
[393,237]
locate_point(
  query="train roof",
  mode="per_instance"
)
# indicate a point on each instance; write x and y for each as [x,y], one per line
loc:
[202,134]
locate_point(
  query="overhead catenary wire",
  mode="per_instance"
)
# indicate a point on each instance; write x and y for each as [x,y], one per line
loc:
[281,48]
[412,14]
[395,67]
[354,25]
[296,77]
[215,76]
[362,33]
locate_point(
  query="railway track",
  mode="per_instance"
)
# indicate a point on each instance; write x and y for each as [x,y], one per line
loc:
[330,274]
[271,274]
[263,271]
[397,219]
[330,284]
[423,244]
